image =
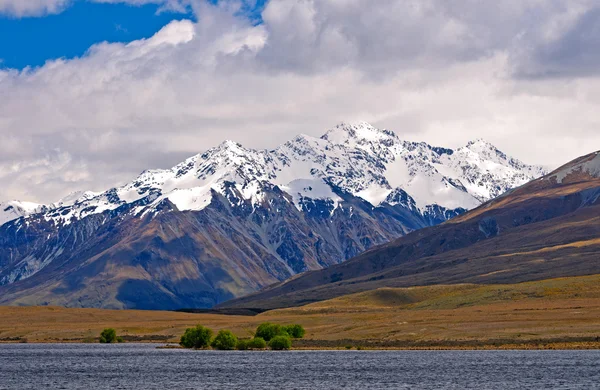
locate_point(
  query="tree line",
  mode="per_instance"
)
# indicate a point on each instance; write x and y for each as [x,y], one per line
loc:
[275,336]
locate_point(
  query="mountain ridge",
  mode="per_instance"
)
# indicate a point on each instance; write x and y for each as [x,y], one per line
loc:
[231,220]
[344,142]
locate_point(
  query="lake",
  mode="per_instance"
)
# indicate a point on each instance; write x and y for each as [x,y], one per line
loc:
[142,366]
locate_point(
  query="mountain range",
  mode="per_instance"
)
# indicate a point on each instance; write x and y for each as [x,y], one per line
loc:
[232,220]
[548,228]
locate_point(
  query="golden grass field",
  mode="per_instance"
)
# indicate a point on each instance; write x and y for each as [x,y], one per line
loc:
[556,313]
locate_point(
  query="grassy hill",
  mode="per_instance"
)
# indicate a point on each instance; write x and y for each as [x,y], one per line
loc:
[556,313]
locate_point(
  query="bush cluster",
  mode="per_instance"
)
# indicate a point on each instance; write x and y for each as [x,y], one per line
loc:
[225,341]
[295,331]
[280,343]
[109,336]
[249,344]
[198,337]
[269,331]
[279,337]
[275,336]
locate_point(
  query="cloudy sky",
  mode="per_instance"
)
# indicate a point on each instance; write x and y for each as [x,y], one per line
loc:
[93,92]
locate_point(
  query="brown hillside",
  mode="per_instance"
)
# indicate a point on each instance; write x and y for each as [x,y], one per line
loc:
[556,313]
[545,229]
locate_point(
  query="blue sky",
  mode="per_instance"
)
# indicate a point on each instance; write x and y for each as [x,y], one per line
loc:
[31,41]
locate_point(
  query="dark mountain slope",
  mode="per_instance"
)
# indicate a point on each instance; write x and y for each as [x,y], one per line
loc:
[547,228]
[175,259]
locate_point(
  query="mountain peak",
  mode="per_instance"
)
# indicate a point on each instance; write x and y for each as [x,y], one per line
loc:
[230,145]
[350,132]
[485,150]
[480,143]
[226,151]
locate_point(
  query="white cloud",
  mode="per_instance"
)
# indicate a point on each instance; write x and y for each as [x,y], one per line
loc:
[20,8]
[28,8]
[439,71]
[166,5]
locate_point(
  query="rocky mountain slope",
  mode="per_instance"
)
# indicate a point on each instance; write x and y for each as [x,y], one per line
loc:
[232,220]
[547,228]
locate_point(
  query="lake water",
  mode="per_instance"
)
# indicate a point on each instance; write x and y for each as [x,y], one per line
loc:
[139,366]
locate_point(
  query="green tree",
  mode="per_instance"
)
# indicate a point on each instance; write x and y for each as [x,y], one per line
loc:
[108,336]
[267,331]
[198,337]
[257,343]
[280,343]
[295,331]
[225,341]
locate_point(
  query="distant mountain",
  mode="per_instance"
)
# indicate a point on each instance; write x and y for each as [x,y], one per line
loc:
[547,228]
[232,220]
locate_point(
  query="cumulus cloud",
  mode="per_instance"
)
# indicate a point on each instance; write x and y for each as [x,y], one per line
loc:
[440,71]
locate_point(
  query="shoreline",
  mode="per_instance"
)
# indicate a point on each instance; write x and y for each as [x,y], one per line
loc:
[578,343]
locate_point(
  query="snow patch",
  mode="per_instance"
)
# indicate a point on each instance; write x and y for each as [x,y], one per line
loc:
[592,167]
[310,188]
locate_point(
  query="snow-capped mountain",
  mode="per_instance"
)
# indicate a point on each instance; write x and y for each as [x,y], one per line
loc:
[232,219]
[357,159]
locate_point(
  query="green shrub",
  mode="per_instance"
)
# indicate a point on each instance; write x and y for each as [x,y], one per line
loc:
[257,343]
[198,337]
[225,341]
[280,343]
[267,331]
[108,336]
[295,331]
[243,344]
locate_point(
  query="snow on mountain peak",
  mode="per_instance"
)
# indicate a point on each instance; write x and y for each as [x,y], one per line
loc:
[484,149]
[231,147]
[354,158]
[359,132]
[479,142]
